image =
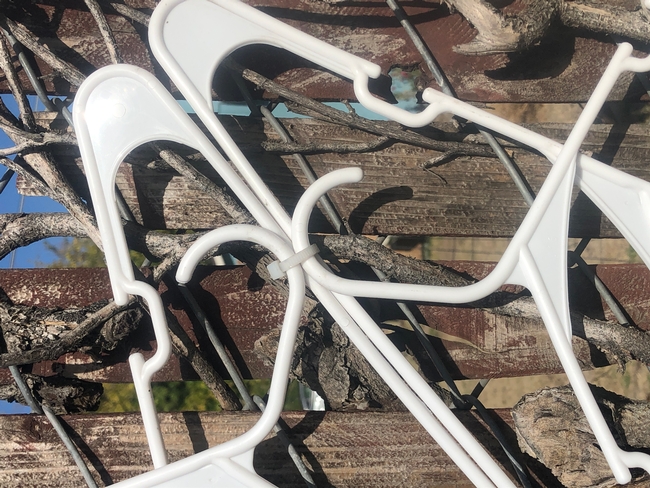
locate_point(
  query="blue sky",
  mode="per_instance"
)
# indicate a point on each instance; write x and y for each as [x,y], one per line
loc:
[10,202]
[37,253]
[30,256]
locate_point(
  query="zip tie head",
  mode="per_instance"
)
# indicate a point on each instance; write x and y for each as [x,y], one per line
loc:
[278,269]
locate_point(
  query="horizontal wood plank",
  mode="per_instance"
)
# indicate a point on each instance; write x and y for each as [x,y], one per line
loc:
[469,196]
[564,68]
[243,310]
[361,450]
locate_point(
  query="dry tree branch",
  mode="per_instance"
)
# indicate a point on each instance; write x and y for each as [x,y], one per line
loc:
[52,333]
[27,39]
[500,33]
[391,130]
[18,166]
[46,139]
[26,114]
[18,230]
[131,13]
[204,184]
[605,18]
[622,344]
[394,265]
[184,347]
[61,191]
[72,336]
[6,116]
[62,394]
[41,162]
[256,258]
[14,132]
[552,428]
[105,30]
[333,147]
[43,165]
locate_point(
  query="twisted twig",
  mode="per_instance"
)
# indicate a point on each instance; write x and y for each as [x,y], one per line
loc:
[105,30]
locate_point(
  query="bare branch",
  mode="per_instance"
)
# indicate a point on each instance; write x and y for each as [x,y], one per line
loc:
[552,428]
[621,344]
[18,166]
[310,148]
[71,336]
[52,333]
[47,139]
[499,33]
[387,129]
[14,132]
[397,266]
[18,230]
[203,183]
[6,116]
[27,39]
[184,347]
[105,30]
[131,13]
[61,191]
[606,18]
[7,67]
[62,395]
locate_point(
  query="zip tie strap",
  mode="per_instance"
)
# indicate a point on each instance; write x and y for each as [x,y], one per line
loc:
[277,269]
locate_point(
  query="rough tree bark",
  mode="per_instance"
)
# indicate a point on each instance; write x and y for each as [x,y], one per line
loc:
[552,428]
[500,32]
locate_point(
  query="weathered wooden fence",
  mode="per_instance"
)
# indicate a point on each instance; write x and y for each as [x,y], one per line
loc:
[469,196]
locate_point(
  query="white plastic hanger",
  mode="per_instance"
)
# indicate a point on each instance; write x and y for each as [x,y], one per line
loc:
[237,31]
[176,33]
[179,30]
[116,110]
[522,263]
[121,107]
[154,115]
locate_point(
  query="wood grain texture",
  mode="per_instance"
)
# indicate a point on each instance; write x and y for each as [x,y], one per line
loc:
[470,196]
[243,310]
[361,450]
[560,69]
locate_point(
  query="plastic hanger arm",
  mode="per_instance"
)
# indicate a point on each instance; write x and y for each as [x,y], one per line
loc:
[219,461]
[180,30]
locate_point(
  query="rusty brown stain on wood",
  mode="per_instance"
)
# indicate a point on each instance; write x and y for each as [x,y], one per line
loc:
[471,196]
[49,288]
[237,302]
[560,70]
[243,310]
[360,450]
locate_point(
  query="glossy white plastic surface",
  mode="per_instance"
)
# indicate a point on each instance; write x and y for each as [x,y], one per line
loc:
[537,256]
[178,47]
[116,110]
[435,417]
[128,86]
[245,26]
[120,107]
